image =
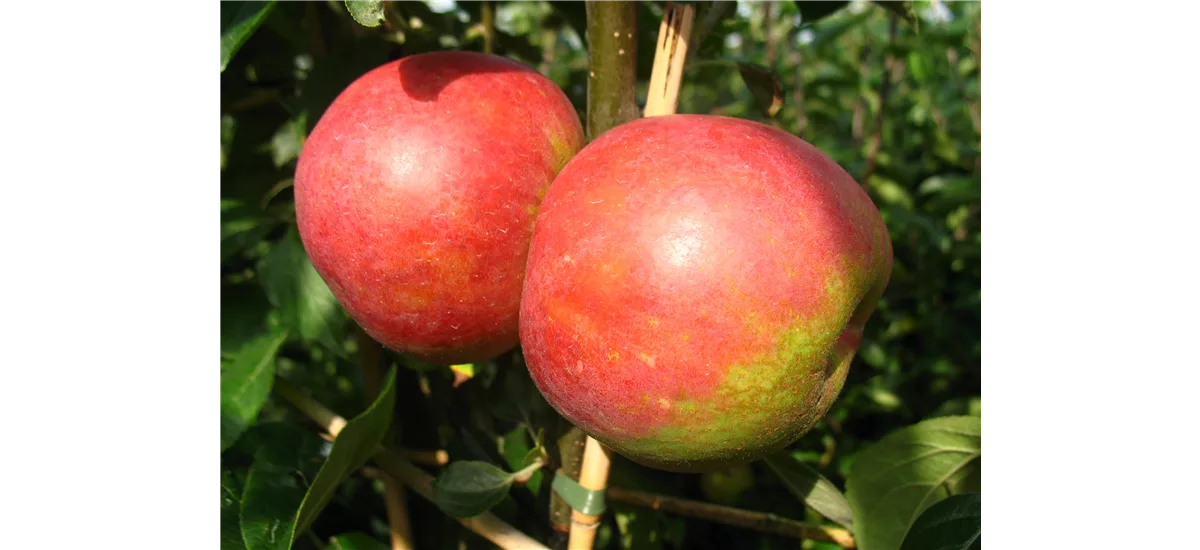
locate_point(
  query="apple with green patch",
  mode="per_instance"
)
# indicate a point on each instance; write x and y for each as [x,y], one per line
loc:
[696,288]
[416,194]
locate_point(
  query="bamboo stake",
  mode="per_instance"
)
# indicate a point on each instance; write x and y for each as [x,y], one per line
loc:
[669,57]
[665,80]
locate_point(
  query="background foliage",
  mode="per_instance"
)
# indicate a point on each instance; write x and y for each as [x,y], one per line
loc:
[890,91]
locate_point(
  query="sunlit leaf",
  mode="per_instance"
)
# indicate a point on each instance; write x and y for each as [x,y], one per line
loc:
[245,385]
[295,287]
[368,14]
[812,488]
[894,480]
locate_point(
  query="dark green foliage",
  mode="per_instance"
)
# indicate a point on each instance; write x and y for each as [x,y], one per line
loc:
[900,112]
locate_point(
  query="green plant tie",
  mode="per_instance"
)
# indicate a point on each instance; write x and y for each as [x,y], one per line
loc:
[577,497]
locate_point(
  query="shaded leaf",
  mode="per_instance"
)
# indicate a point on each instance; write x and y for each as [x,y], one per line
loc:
[356,541]
[231,503]
[637,527]
[244,310]
[239,20]
[468,488]
[276,483]
[353,447]
[280,504]
[903,9]
[245,385]
[766,89]
[294,286]
[952,524]
[812,488]
[811,12]
[830,29]
[894,480]
[368,14]
[242,227]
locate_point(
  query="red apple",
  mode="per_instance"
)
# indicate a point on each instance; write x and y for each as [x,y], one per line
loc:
[416,194]
[697,287]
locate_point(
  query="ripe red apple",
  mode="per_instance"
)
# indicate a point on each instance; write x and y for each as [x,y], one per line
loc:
[696,289]
[416,194]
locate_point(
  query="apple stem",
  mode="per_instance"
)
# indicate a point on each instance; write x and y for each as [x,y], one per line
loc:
[395,465]
[370,354]
[889,65]
[758,521]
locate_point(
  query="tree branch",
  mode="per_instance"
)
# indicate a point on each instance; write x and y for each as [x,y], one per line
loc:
[758,521]
[612,75]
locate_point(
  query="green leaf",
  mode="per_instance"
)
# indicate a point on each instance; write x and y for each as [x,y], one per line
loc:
[638,528]
[352,448]
[368,14]
[468,488]
[952,524]
[811,12]
[518,453]
[245,385]
[294,286]
[766,89]
[279,504]
[812,488]
[894,480]
[231,503]
[242,227]
[244,310]
[356,541]
[288,140]
[903,9]
[276,483]
[239,20]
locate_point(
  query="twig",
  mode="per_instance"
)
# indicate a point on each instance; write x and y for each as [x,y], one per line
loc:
[428,458]
[758,521]
[877,143]
[715,12]
[488,14]
[669,57]
[370,354]
[486,524]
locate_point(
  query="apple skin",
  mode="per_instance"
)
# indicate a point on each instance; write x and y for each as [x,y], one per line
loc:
[416,195]
[697,287]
